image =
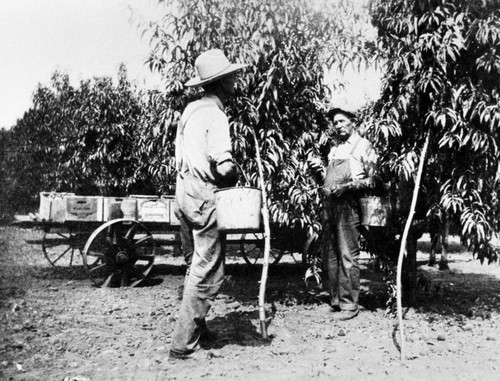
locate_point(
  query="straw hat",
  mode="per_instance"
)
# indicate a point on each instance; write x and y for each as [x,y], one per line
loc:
[341,110]
[211,66]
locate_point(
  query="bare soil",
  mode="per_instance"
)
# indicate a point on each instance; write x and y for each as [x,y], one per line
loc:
[55,326]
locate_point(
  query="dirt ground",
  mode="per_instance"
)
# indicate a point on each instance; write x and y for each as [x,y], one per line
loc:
[55,326]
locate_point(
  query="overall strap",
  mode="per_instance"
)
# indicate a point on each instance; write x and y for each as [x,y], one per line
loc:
[355,144]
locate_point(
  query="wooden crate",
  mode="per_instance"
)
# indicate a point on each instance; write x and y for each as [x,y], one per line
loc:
[154,211]
[128,207]
[111,208]
[170,200]
[84,208]
[53,206]
[147,209]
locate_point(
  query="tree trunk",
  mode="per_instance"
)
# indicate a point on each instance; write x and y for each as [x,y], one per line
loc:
[411,266]
[404,238]
[445,233]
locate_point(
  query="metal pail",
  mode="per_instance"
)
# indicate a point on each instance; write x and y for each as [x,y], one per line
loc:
[376,211]
[238,209]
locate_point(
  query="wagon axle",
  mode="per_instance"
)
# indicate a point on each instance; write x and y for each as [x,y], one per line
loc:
[121,257]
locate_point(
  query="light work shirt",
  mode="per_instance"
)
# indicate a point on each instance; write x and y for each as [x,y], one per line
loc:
[203,139]
[360,153]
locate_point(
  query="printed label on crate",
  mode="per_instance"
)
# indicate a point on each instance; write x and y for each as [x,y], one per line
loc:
[153,211]
[84,208]
[141,201]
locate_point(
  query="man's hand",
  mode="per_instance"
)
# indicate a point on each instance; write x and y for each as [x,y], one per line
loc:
[339,190]
[227,175]
[326,191]
[336,190]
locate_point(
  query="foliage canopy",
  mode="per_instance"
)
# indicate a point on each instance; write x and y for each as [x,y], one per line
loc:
[283,93]
[83,139]
[442,71]
[442,77]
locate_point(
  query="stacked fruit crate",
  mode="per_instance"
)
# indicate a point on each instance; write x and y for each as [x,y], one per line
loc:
[68,207]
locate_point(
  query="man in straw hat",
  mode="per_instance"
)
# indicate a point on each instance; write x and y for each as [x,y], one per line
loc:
[204,163]
[349,174]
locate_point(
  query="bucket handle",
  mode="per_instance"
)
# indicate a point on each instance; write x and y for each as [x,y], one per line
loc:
[247,183]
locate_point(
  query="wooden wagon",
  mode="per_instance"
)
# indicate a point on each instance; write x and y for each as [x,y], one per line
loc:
[117,239]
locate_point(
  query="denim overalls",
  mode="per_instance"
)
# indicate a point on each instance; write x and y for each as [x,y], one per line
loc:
[341,233]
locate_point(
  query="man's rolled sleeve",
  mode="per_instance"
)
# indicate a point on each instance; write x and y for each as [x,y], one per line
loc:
[219,147]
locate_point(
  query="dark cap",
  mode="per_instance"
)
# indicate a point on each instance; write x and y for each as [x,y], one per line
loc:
[337,110]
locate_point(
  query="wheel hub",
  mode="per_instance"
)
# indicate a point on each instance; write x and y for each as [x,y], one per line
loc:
[121,257]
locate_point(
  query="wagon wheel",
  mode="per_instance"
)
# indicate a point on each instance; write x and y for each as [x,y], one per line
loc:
[253,252]
[62,247]
[119,253]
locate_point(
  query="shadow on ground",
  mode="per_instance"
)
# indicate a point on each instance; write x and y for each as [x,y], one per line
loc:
[458,293]
[236,328]
[455,292]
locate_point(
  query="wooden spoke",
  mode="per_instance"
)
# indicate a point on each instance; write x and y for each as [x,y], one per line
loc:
[62,249]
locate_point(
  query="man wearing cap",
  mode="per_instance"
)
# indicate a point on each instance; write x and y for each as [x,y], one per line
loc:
[349,174]
[204,163]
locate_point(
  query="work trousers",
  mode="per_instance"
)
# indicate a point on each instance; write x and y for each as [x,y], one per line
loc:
[206,273]
[340,251]
[186,236]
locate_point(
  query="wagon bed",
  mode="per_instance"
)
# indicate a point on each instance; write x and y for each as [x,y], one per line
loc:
[121,252]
